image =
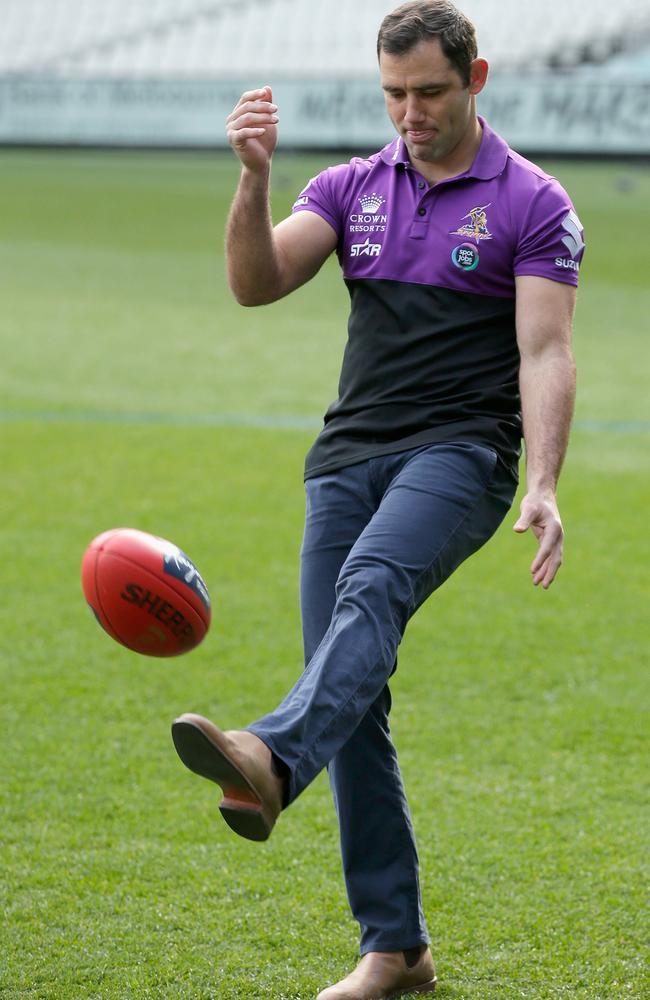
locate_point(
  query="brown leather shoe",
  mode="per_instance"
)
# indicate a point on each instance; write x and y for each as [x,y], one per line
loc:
[383,974]
[241,764]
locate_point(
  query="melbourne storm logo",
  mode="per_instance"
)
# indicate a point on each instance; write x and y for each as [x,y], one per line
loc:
[477,227]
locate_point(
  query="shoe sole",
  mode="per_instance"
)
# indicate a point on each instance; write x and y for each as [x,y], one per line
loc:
[241,807]
[423,988]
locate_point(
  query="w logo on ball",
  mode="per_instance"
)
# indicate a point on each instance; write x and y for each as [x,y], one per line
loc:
[177,564]
[371,203]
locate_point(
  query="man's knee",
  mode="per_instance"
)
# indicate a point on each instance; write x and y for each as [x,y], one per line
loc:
[376,587]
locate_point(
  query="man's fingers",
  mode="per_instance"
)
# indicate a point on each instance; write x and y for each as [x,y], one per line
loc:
[253,118]
[252,111]
[251,104]
[525,522]
[261,94]
[550,542]
[251,121]
[239,137]
[541,515]
[547,572]
[547,562]
[530,516]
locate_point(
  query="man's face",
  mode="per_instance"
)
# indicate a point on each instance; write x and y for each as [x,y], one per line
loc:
[427,101]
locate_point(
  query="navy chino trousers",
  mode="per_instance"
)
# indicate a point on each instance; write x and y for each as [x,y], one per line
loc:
[380,537]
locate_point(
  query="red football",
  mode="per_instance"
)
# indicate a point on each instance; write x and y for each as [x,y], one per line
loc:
[145,592]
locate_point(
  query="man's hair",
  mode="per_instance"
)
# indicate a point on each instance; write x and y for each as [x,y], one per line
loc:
[423,20]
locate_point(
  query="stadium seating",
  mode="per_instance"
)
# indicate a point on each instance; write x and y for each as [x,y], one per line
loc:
[244,38]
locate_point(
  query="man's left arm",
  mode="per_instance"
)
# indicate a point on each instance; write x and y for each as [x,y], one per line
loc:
[547,384]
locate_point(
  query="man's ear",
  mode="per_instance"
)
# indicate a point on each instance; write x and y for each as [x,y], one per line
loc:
[478,74]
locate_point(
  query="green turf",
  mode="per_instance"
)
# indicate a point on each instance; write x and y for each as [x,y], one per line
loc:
[129,391]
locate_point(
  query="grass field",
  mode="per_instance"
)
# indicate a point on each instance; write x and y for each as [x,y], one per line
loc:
[134,391]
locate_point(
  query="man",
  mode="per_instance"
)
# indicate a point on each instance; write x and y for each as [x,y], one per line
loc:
[461,260]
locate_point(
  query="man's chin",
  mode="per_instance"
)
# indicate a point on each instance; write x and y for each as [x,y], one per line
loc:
[425,151]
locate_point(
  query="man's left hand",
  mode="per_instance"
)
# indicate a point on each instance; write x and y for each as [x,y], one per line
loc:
[539,511]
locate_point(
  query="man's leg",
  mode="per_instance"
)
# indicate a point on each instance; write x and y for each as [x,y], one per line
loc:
[439,505]
[378,850]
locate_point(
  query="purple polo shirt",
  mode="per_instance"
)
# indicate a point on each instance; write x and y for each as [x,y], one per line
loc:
[432,352]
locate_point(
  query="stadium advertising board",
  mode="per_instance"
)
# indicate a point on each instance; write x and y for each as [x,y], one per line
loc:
[548,114]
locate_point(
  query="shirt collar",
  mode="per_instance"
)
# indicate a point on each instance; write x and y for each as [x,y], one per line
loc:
[489,162]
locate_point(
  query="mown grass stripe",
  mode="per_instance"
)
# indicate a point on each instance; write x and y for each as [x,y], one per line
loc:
[290,422]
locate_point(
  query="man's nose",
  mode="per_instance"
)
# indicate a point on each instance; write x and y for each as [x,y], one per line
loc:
[414,110]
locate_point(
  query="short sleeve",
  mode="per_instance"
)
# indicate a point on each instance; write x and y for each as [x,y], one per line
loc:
[320,196]
[551,243]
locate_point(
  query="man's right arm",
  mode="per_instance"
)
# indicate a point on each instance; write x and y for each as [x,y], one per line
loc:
[265,263]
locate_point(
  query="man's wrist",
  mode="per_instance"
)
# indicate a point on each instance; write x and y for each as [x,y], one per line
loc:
[255,179]
[547,487]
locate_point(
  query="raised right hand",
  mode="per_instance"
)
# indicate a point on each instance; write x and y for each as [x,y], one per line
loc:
[252,129]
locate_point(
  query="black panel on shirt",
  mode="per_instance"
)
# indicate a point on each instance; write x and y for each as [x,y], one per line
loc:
[422,364]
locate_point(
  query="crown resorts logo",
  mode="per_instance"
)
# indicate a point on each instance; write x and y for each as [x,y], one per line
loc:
[371,203]
[370,218]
